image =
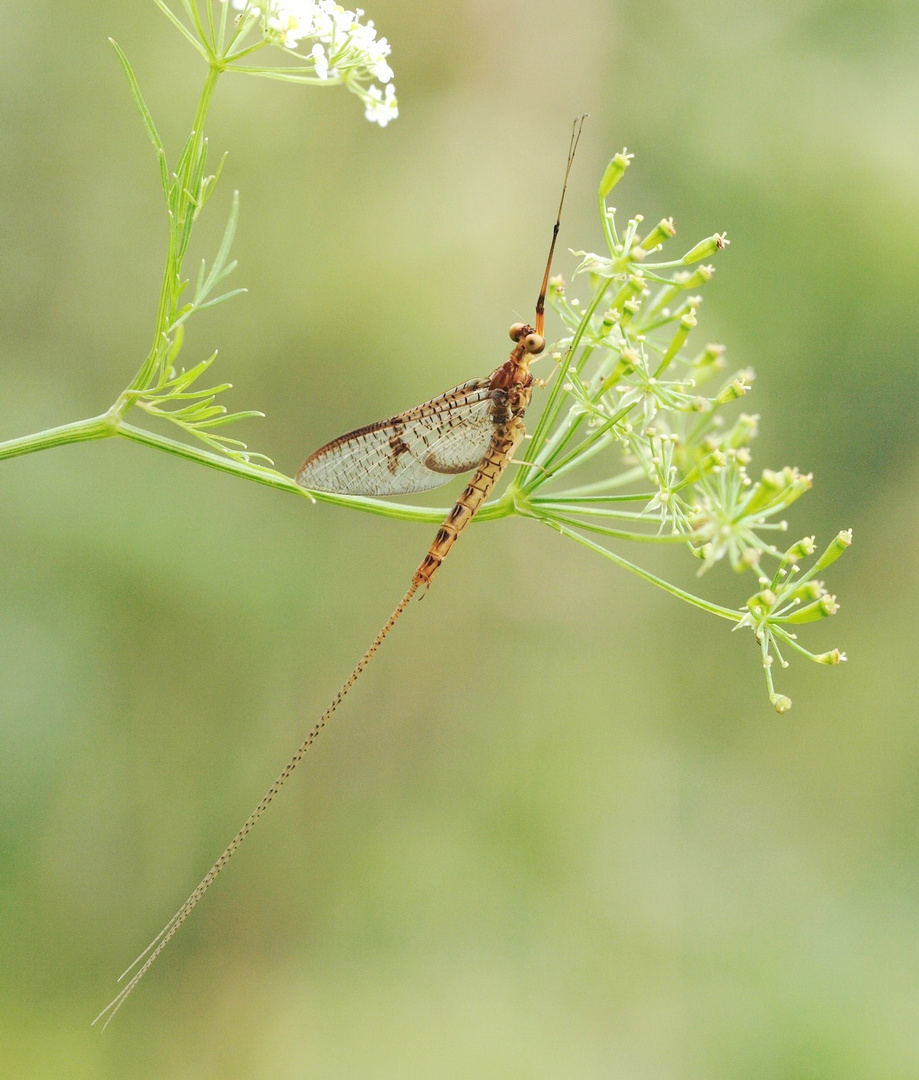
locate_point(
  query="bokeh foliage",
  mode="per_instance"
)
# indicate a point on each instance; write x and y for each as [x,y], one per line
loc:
[557,831]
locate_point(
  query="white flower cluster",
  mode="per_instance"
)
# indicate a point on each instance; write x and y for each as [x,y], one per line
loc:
[344,49]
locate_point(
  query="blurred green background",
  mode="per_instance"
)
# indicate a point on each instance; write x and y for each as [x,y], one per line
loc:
[605,856]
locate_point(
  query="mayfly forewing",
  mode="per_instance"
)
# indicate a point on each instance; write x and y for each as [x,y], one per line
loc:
[415,451]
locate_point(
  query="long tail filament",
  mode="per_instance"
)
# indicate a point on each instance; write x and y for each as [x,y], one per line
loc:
[163,938]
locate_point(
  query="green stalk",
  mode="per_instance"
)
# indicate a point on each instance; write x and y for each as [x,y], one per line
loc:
[97,427]
[616,534]
[554,403]
[645,575]
[273,479]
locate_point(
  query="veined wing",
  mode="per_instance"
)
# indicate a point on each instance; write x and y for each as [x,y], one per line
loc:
[415,451]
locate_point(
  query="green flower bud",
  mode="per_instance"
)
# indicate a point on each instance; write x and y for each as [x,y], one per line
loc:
[633,287]
[711,356]
[630,309]
[610,318]
[742,433]
[706,247]
[801,550]
[780,703]
[735,389]
[839,544]
[834,656]
[631,358]
[764,599]
[614,172]
[777,489]
[810,590]
[707,363]
[659,234]
[699,277]
[819,609]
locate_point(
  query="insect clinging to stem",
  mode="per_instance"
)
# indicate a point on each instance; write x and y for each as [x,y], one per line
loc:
[474,426]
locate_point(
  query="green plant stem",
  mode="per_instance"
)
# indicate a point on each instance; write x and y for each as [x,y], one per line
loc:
[97,427]
[619,534]
[556,394]
[567,500]
[257,473]
[645,575]
[270,478]
[548,507]
[108,424]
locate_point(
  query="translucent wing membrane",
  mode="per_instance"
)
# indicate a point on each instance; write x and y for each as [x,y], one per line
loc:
[415,451]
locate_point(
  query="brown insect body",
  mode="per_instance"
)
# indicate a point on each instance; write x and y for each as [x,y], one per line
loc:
[511,388]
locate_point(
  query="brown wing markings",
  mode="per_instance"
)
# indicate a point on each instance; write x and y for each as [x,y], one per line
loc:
[397,446]
[414,451]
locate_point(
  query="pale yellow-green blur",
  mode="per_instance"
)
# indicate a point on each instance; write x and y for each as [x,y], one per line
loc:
[556,832]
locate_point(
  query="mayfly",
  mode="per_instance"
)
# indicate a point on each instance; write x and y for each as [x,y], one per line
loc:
[476,425]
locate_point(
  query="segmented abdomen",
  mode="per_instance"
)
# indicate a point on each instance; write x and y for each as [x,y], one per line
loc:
[506,439]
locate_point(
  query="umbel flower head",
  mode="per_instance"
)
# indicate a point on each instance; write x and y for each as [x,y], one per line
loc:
[653,422]
[331,44]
